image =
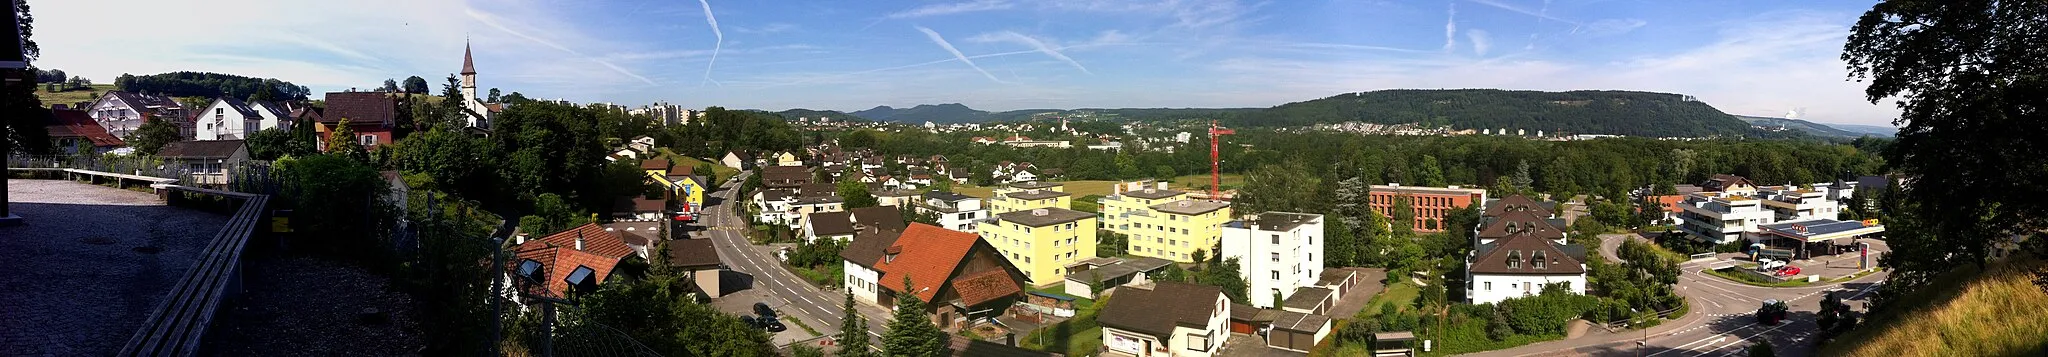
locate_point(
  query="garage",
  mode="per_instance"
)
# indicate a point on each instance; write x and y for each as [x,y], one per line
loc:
[1297,331]
[1244,319]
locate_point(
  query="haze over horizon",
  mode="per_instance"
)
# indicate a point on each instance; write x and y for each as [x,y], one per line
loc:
[1760,58]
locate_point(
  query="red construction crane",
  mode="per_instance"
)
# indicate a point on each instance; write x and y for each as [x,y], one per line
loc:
[1216,134]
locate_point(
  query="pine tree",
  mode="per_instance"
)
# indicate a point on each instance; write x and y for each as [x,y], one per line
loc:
[911,333]
[853,328]
[343,141]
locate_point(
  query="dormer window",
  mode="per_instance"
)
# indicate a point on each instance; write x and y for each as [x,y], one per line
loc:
[1515,259]
[1538,260]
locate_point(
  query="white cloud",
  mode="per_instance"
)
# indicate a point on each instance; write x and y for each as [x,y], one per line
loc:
[1480,42]
[941,41]
[1034,43]
[951,8]
[1611,27]
[771,28]
[1451,28]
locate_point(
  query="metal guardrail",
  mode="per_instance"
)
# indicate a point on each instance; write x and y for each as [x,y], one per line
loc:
[176,325]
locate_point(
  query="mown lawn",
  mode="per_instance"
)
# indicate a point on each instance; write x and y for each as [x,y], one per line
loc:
[1201,181]
[1077,188]
[1400,294]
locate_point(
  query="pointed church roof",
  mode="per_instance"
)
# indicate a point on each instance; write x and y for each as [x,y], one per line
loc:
[468,65]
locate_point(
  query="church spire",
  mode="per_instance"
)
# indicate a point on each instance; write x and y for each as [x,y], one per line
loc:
[468,65]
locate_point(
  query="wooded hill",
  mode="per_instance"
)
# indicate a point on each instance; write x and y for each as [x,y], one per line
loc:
[1574,112]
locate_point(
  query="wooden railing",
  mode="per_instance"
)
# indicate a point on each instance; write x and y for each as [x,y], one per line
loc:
[178,323]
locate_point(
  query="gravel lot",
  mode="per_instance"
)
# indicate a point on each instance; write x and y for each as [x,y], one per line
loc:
[304,306]
[89,265]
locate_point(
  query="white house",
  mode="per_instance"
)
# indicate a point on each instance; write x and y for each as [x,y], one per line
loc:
[737,160]
[1171,319]
[1276,253]
[1522,265]
[1722,217]
[122,112]
[232,119]
[956,211]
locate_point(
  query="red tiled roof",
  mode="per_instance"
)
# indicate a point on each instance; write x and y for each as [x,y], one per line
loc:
[559,262]
[77,124]
[928,256]
[991,284]
[1669,202]
[361,108]
[595,240]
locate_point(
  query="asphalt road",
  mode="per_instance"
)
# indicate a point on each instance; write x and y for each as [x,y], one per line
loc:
[760,269]
[1721,320]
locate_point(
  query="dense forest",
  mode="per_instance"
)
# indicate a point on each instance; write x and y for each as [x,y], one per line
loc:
[1606,166]
[1573,112]
[211,85]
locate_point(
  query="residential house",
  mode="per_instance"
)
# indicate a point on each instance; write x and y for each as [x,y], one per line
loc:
[639,209]
[1028,195]
[1523,265]
[123,112]
[841,225]
[698,262]
[1430,204]
[206,163]
[785,176]
[233,119]
[1042,242]
[643,143]
[1277,254]
[959,176]
[959,276]
[371,115]
[894,197]
[565,264]
[956,211]
[73,129]
[788,159]
[738,160]
[1720,217]
[642,236]
[1111,272]
[1729,183]
[1171,319]
[681,183]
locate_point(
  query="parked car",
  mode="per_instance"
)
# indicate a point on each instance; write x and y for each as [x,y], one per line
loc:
[751,322]
[772,324]
[761,308]
[1788,271]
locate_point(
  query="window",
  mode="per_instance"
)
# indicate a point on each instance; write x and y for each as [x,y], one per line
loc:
[1538,261]
[1276,239]
[1515,259]
[1489,286]
[1199,342]
[1525,288]
[369,140]
[1276,275]
[1276,257]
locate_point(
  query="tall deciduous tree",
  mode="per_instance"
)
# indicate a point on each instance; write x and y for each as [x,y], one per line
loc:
[1968,80]
[855,192]
[390,85]
[1428,172]
[1279,188]
[152,135]
[911,332]
[414,85]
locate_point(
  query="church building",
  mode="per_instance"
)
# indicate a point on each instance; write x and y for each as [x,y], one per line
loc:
[479,113]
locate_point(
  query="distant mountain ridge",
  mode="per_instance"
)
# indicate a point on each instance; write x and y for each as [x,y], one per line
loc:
[939,113]
[1632,113]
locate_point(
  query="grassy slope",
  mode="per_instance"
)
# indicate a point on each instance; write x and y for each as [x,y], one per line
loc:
[69,97]
[2000,312]
[679,160]
[1077,188]
[1201,181]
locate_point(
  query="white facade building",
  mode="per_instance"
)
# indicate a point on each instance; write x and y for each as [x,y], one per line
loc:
[1717,217]
[1277,252]
[1521,266]
[956,211]
[233,119]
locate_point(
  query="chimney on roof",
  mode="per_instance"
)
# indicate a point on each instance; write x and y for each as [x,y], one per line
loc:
[579,239]
[1040,212]
[519,239]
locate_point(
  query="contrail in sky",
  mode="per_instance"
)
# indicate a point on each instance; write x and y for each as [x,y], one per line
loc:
[713,20]
[956,52]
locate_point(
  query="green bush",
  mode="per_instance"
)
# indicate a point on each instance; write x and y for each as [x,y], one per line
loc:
[1546,313]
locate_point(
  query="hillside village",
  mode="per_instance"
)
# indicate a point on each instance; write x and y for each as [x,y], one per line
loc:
[197,213]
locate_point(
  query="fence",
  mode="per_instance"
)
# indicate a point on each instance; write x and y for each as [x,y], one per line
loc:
[252,176]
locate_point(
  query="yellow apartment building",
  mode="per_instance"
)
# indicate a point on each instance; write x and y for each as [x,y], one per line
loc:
[1025,196]
[1042,242]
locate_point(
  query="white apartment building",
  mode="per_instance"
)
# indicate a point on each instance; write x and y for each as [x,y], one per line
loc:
[956,211]
[1720,217]
[1521,265]
[1792,203]
[1276,253]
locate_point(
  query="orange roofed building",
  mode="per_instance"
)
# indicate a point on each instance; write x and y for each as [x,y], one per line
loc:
[566,263]
[958,275]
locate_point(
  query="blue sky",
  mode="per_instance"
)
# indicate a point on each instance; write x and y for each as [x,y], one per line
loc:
[1745,57]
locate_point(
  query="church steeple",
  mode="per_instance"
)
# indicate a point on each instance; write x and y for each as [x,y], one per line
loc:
[468,65]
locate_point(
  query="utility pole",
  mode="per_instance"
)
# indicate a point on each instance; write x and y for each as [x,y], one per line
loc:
[1216,134]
